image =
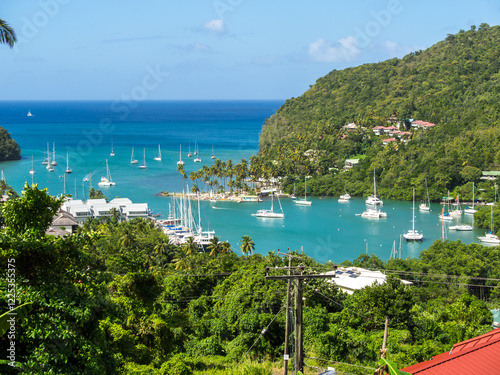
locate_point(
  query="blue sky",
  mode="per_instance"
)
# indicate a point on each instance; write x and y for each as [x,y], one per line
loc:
[212,49]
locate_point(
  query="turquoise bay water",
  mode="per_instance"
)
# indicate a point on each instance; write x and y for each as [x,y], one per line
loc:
[327,230]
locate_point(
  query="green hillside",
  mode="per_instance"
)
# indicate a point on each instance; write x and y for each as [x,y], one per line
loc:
[454,84]
[9,149]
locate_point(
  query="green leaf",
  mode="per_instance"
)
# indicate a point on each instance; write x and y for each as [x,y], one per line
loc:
[19,366]
[391,366]
[20,312]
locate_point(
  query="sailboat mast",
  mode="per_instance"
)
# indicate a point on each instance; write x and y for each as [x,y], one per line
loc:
[413,216]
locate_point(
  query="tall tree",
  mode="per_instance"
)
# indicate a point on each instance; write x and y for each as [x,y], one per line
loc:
[247,245]
[32,213]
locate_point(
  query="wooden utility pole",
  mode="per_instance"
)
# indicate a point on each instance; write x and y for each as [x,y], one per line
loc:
[299,350]
[287,329]
[298,283]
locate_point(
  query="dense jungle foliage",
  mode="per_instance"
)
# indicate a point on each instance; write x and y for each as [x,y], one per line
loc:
[116,298]
[454,84]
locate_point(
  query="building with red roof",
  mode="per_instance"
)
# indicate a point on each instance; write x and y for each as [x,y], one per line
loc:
[477,356]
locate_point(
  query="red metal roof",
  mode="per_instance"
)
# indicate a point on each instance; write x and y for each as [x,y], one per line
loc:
[477,356]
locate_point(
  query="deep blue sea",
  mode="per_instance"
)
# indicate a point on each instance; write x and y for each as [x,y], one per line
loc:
[327,230]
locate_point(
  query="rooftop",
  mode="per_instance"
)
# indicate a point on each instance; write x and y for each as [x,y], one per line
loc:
[477,356]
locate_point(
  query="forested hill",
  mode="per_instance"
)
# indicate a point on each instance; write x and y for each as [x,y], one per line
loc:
[455,84]
[9,148]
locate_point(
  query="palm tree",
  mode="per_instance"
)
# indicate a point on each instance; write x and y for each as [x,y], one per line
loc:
[7,34]
[215,246]
[247,245]
[181,259]
[190,246]
[226,248]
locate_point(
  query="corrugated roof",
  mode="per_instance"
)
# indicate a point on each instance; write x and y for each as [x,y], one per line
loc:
[477,356]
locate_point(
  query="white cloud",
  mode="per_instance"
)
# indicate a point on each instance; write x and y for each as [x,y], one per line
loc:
[216,26]
[343,50]
[393,49]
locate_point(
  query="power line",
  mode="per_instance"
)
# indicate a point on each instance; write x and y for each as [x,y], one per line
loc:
[341,363]
[258,338]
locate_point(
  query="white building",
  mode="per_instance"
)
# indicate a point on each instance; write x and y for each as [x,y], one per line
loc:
[95,208]
[354,278]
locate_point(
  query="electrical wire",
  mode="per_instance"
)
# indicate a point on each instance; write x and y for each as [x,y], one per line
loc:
[341,363]
[258,338]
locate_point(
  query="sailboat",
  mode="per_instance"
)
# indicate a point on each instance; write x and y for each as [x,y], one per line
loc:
[144,165]
[270,213]
[54,154]
[457,211]
[425,206]
[49,165]
[189,152]
[106,181]
[374,200]
[304,202]
[445,216]
[412,234]
[158,158]
[112,153]
[68,169]
[45,159]
[132,160]
[29,114]
[180,162]
[32,171]
[346,197]
[213,156]
[197,159]
[373,213]
[490,237]
[468,210]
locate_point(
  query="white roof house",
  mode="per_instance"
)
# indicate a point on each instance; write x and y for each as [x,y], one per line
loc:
[131,211]
[354,278]
[95,208]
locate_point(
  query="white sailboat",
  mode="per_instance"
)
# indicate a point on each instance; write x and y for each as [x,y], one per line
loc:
[374,200]
[45,158]
[106,181]
[425,206]
[468,210]
[457,211]
[270,213]
[53,154]
[180,162]
[213,156]
[304,202]
[68,169]
[132,159]
[144,165]
[158,158]
[197,159]
[32,170]
[346,197]
[373,213]
[189,152]
[112,153]
[413,234]
[490,237]
[49,165]
[29,114]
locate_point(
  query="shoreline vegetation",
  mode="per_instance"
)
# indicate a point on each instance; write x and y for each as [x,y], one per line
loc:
[116,297]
